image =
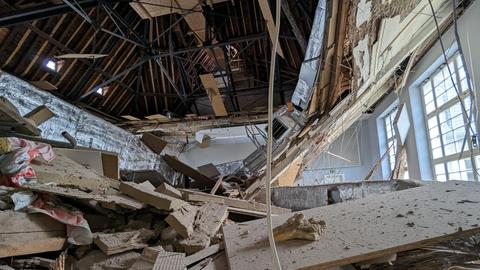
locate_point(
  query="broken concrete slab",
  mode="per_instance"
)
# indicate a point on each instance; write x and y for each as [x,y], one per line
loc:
[109,199]
[166,189]
[151,197]
[113,243]
[182,220]
[208,221]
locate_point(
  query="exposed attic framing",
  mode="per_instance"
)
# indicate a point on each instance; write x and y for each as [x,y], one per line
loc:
[153,65]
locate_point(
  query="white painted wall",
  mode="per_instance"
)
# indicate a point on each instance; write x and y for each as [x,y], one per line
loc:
[418,152]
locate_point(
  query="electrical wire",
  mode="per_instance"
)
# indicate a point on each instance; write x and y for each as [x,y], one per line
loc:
[268,187]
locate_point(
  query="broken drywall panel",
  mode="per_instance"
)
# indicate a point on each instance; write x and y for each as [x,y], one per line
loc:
[364,9]
[89,130]
[361,54]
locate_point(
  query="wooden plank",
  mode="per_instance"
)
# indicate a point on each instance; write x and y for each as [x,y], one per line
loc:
[166,189]
[44,85]
[208,221]
[196,257]
[81,55]
[217,185]
[151,197]
[182,220]
[363,229]
[24,234]
[113,243]
[18,222]
[288,177]
[32,244]
[181,167]
[158,117]
[130,118]
[196,196]
[155,143]
[213,92]
[209,170]
[267,16]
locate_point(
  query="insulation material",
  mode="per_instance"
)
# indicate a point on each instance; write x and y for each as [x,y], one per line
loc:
[89,131]
[311,64]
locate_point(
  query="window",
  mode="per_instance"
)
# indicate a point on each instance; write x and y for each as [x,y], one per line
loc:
[54,65]
[391,138]
[102,90]
[447,124]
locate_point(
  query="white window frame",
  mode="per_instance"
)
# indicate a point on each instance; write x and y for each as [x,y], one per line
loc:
[392,152]
[444,159]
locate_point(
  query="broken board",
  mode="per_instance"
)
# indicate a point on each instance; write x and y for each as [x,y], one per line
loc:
[213,93]
[155,143]
[181,167]
[151,197]
[237,204]
[363,229]
[24,234]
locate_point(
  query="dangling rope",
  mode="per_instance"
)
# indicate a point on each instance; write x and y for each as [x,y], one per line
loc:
[271,239]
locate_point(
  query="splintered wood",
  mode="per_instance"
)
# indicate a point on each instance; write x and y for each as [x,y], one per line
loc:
[363,229]
[114,243]
[207,223]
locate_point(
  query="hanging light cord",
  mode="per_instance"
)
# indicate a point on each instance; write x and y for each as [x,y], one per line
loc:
[271,239]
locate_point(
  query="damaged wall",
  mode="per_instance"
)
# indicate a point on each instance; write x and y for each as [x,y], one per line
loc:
[89,131]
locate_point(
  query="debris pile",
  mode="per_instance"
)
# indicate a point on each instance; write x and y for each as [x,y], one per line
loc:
[55,211]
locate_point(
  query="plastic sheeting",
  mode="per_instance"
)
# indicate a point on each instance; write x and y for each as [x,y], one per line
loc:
[88,130]
[312,61]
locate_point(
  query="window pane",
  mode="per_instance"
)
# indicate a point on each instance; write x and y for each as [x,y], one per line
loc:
[427,88]
[441,178]
[437,153]
[440,169]
[430,107]
[434,132]
[460,170]
[428,97]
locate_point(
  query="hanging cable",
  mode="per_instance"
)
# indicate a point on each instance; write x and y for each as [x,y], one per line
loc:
[268,187]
